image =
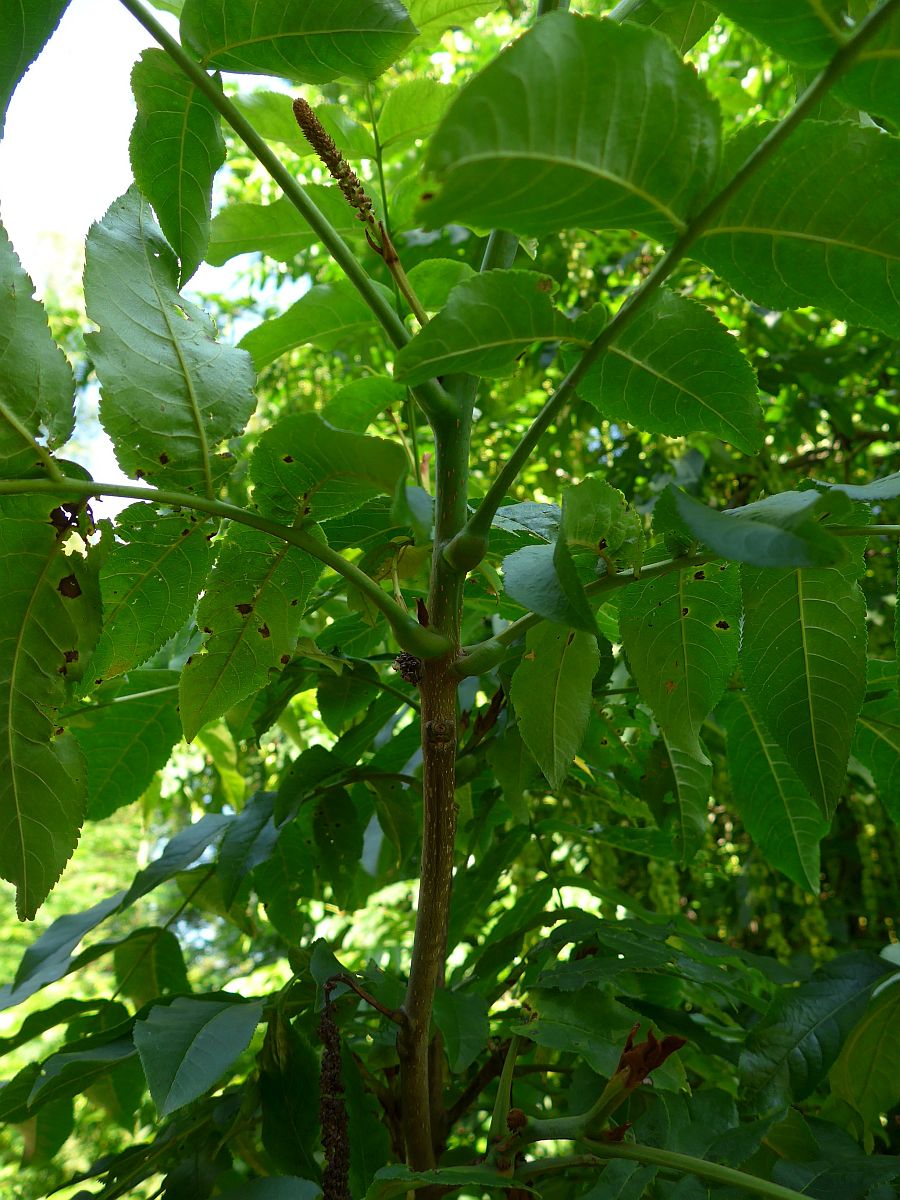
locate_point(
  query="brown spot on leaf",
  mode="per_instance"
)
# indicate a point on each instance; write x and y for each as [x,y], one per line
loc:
[163,459]
[722,625]
[244,609]
[69,587]
[71,656]
[294,602]
[139,474]
[699,575]
[264,631]
[530,656]
[185,533]
[571,638]
[685,611]
[287,458]
[670,686]
[427,196]
[602,544]
[285,659]
[545,285]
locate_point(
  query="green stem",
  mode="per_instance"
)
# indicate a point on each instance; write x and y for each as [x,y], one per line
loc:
[503,1101]
[667,1160]
[479,523]
[409,634]
[496,645]
[431,396]
[624,9]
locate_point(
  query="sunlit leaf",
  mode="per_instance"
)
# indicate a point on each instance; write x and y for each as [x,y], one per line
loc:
[308,41]
[170,393]
[176,148]
[535,150]
[809,227]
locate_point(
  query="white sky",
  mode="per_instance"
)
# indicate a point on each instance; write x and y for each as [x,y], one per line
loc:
[64,155]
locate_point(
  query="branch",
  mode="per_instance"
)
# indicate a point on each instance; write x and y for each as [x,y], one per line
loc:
[409,634]
[431,396]
[684,1164]
[482,656]
[392,1014]
[479,524]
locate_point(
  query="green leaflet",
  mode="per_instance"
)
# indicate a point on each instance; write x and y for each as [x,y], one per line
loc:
[176,148]
[676,370]
[27,26]
[303,467]
[867,1074]
[488,321]
[307,41]
[551,693]
[681,635]
[149,964]
[356,405]
[535,150]
[804,663]
[149,580]
[126,735]
[596,523]
[412,110]
[807,31]
[783,530]
[251,613]
[327,315]
[170,393]
[277,229]
[46,624]
[186,1046]
[36,384]
[877,745]
[776,809]
[788,1053]
[689,822]
[432,17]
[684,22]
[809,228]
[462,1018]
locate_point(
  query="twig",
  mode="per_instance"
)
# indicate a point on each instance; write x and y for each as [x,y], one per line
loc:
[393,1014]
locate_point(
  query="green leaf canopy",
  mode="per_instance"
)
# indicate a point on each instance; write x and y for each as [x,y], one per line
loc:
[543,140]
[166,419]
[307,41]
